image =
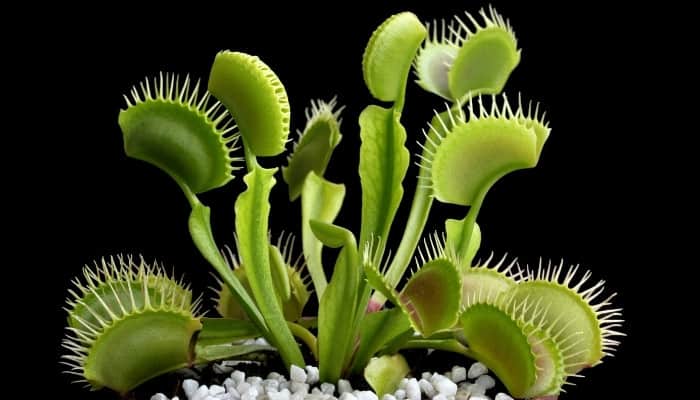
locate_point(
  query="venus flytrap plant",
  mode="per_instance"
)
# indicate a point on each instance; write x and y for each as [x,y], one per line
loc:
[534,329]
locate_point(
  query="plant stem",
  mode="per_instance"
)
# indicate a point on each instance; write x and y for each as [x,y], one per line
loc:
[468,227]
[306,336]
[418,217]
[451,345]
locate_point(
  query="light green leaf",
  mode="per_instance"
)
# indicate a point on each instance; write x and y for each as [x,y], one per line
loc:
[487,56]
[500,343]
[420,207]
[376,330]
[432,297]
[225,330]
[475,154]
[252,212]
[200,230]
[320,200]
[389,53]
[280,275]
[314,147]
[383,164]
[256,99]
[454,229]
[336,330]
[215,352]
[170,127]
[376,279]
[385,373]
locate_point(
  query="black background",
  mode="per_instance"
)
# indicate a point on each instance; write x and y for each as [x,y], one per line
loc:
[575,205]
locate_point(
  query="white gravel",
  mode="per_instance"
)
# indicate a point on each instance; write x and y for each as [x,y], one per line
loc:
[459,383]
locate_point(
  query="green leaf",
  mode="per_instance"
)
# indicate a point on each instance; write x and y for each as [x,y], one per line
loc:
[140,347]
[383,164]
[169,127]
[432,297]
[313,150]
[280,276]
[376,330]
[215,352]
[225,330]
[252,212]
[331,235]
[320,200]
[377,281]
[256,99]
[336,310]
[501,344]
[570,315]
[200,230]
[484,280]
[389,53]
[454,229]
[486,57]
[420,207]
[475,154]
[385,373]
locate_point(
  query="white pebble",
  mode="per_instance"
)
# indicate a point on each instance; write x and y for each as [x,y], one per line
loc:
[344,386]
[440,396]
[316,391]
[281,395]
[284,385]
[402,384]
[300,387]
[347,396]
[413,390]
[238,376]
[327,388]
[462,395]
[388,397]
[274,375]
[201,393]
[400,394]
[311,374]
[475,389]
[159,396]
[216,389]
[503,396]
[271,384]
[486,382]
[366,395]
[297,374]
[480,397]
[254,380]
[426,387]
[175,398]
[251,394]
[297,396]
[476,370]
[261,342]
[190,386]
[444,385]
[459,374]
[243,388]
[426,376]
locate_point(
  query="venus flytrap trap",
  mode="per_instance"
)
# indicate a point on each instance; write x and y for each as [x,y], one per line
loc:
[129,322]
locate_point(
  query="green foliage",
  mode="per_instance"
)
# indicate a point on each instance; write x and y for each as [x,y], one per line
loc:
[129,322]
